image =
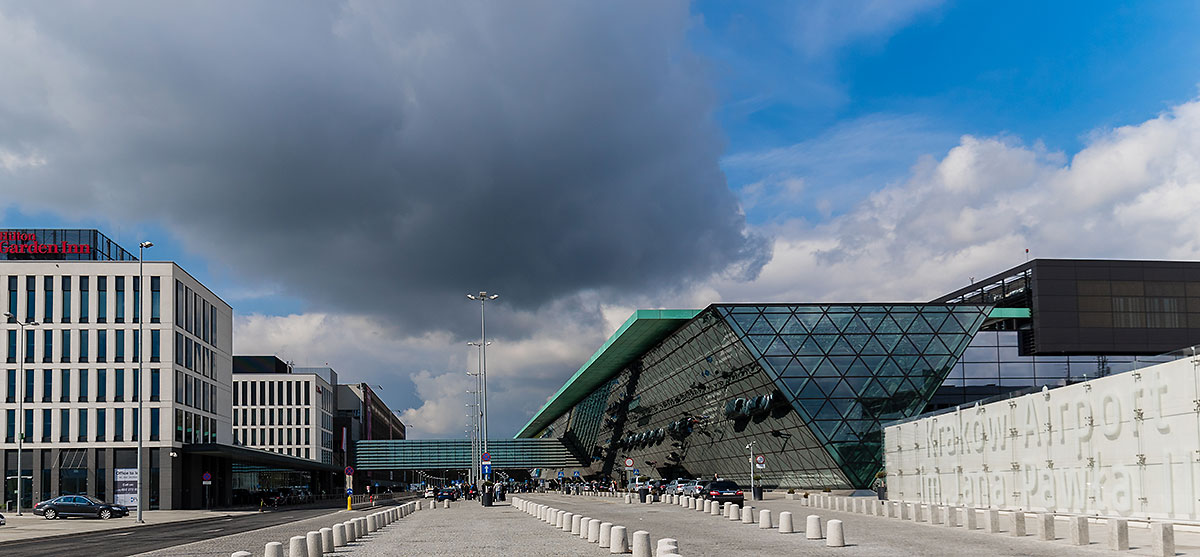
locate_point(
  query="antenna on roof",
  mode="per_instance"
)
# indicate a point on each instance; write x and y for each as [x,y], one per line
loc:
[1027,255]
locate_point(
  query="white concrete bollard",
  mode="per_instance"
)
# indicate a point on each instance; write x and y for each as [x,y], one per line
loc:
[716,508]
[361,524]
[242,554]
[735,512]
[918,513]
[1162,539]
[605,538]
[764,519]
[297,547]
[569,522]
[273,549]
[1078,526]
[993,521]
[707,505]
[748,515]
[951,516]
[583,526]
[641,544]
[1018,524]
[836,537]
[812,527]
[905,511]
[785,523]
[1118,534]
[666,546]
[351,531]
[935,514]
[565,522]
[446,504]
[326,540]
[593,535]
[372,523]
[339,535]
[725,508]
[1045,523]
[618,541]
[970,518]
[628,499]
[313,543]
[869,506]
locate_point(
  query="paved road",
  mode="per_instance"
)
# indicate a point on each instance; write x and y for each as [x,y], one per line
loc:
[121,542]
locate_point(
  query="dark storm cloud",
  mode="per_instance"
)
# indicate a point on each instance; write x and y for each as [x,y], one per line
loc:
[384,158]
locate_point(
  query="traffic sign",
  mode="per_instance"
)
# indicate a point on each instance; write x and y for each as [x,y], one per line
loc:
[760,461]
[349,491]
[628,464]
[560,473]
[485,457]
[636,471]
[577,473]
[349,470]
[206,477]
[487,469]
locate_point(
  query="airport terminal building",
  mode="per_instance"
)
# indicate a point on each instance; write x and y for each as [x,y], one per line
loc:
[683,392]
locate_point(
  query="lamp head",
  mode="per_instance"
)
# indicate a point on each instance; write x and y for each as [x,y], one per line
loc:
[472,296]
[8,314]
[493,296]
[146,245]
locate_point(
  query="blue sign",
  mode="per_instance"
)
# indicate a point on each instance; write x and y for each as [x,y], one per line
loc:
[349,491]
[636,471]
[486,457]
[487,469]
[560,473]
[577,473]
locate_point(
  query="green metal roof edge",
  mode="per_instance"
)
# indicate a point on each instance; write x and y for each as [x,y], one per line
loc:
[1009,313]
[585,371]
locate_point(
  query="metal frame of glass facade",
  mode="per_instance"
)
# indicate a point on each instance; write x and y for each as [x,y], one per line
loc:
[455,454]
[102,248]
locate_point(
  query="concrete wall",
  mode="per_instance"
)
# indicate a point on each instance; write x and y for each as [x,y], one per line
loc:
[1126,445]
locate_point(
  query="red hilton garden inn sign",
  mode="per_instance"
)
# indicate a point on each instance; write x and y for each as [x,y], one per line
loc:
[27,243]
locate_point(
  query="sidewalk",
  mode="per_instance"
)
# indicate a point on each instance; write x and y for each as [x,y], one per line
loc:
[29,525]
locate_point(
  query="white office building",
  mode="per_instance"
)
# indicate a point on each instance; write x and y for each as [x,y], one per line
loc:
[285,409]
[79,314]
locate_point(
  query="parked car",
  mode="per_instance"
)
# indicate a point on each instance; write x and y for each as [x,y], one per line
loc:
[693,488]
[447,493]
[78,505]
[635,485]
[430,492]
[723,491]
[2,523]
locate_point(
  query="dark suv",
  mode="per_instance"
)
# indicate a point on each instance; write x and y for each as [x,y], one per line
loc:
[723,491]
[78,505]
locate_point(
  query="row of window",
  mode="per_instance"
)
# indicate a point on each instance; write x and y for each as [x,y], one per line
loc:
[72,385]
[194,356]
[195,392]
[123,342]
[195,314]
[263,393]
[272,436]
[194,428]
[68,425]
[268,416]
[50,285]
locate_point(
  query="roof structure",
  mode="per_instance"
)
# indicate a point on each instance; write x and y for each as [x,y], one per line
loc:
[639,333]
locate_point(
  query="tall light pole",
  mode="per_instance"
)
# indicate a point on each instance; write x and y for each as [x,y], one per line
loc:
[20,400]
[483,298]
[751,447]
[141,385]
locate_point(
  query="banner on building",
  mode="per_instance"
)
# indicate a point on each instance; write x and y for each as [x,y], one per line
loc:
[125,483]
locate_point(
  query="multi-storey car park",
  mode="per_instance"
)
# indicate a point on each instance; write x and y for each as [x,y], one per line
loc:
[683,392]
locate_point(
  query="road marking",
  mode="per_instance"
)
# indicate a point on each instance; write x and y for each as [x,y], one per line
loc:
[213,530]
[119,534]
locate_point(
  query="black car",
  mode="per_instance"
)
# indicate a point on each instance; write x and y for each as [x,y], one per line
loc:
[446,493]
[78,505]
[723,491]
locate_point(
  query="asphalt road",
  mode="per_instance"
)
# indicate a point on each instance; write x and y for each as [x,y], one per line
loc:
[139,539]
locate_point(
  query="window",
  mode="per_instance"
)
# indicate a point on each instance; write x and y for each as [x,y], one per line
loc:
[65,346]
[47,346]
[118,424]
[155,346]
[27,432]
[155,299]
[83,345]
[83,385]
[83,415]
[179,302]
[154,385]
[187,393]
[137,346]
[12,299]
[137,299]
[47,385]
[307,395]
[212,323]
[12,346]
[101,299]
[188,354]
[204,396]
[120,345]
[178,426]
[48,298]
[289,394]
[29,347]
[154,424]
[101,345]
[101,424]
[64,385]
[30,298]
[137,385]
[10,394]
[179,398]
[83,299]
[47,424]
[119,378]
[64,425]
[28,386]
[120,284]
[10,428]
[101,385]
[178,348]
[66,299]
[204,321]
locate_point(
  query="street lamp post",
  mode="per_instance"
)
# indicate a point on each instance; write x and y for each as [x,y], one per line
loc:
[20,400]
[751,447]
[483,298]
[141,353]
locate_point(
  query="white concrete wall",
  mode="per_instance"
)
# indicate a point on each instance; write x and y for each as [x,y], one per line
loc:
[1126,445]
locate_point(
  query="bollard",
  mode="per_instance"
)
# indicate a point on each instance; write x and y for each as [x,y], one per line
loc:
[725,508]
[372,524]
[583,527]
[1018,524]
[351,531]
[716,508]
[894,509]
[297,547]
[970,518]
[836,537]
[869,506]
[326,540]
[935,514]
[605,538]
[593,534]
[628,499]
[734,513]
[312,541]
[785,523]
[641,544]
[242,554]
[273,549]
[764,519]
[918,512]
[559,518]
[1118,534]
[1045,523]
[904,511]
[666,546]
[1162,538]
[618,541]
[446,504]
[951,516]
[339,535]
[1078,525]
[748,515]
[568,522]
[812,527]
[993,521]
[707,505]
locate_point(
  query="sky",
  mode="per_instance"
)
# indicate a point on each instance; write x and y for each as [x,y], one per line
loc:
[344,173]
